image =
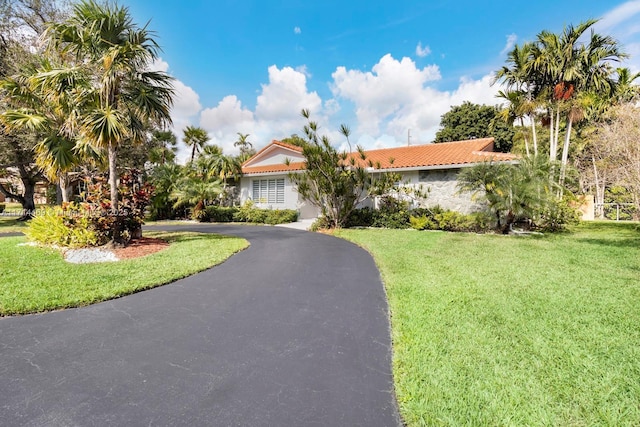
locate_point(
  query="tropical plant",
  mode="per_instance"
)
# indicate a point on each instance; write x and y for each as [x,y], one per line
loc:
[125,95]
[195,191]
[335,182]
[47,101]
[246,147]
[564,74]
[196,138]
[512,192]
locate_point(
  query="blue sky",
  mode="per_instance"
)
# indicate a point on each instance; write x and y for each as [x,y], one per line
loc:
[381,67]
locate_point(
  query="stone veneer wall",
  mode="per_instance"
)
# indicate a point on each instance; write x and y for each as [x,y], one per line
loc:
[443,190]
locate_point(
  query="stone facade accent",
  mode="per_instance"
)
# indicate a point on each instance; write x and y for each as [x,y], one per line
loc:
[443,191]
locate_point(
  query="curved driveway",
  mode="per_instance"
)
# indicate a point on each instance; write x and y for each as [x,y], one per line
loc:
[292,331]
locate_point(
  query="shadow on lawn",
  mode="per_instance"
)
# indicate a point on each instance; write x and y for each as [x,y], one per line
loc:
[184,236]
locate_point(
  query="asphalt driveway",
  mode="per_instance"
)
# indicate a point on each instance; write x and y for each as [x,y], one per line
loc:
[292,331]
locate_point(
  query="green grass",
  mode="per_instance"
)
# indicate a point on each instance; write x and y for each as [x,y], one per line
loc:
[9,219]
[497,330]
[37,279]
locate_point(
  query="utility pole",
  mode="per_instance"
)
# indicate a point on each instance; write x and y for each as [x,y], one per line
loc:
[408,137]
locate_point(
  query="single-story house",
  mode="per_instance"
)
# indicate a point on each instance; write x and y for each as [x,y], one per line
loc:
[435,167]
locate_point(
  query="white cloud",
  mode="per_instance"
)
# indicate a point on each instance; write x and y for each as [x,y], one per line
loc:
[277,112]
[297,30]
[511,42]
[621,22]
[159,65]
[387,90]
[304,70]
[285,95]
[422,51]
[396,96]
[618,15]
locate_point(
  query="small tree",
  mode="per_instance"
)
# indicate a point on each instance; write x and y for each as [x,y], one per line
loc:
[336,182]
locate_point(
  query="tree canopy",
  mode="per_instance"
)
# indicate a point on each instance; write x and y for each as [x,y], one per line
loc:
[471,121]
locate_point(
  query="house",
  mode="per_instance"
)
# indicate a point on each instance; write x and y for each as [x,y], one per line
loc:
[435,167]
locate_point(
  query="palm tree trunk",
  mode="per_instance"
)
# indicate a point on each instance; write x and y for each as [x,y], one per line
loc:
[113,187]
[565,151]
[113,176]
[556,135]
[63,182]
[534,135]
[599,190]
[524,134]
[552,155]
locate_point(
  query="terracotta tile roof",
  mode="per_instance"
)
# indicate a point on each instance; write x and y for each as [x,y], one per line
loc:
[281,167]
[442,154]
[414,156]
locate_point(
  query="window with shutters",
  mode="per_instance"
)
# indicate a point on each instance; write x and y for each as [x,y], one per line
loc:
[268,190]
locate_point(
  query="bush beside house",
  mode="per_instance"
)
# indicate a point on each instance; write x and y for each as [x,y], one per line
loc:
[247,213]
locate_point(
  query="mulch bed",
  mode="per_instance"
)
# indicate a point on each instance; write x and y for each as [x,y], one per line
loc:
[141,247]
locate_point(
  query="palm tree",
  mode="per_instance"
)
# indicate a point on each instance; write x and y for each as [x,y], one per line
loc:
[514,111]
[215,165]
[124,95]
[191,190]
[520,88]
[626,90]
[196,138]
[560,71]
[47,97]
[590,72]
[246,147]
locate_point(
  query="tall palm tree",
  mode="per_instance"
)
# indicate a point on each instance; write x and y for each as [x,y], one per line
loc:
[514,111]
[124,95]
[590,72]
[520,88]
[196,138]
[243,143]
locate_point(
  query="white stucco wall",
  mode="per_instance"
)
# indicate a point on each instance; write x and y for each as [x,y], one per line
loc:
[278,156]
[441,183]
[291,196]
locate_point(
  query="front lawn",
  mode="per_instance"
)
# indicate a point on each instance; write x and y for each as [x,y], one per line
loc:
[9,219]
[499,330]
[37,279]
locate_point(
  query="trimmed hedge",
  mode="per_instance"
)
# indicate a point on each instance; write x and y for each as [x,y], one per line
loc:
[250,214]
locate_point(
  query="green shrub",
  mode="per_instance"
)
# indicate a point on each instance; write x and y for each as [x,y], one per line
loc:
[360,218]
[558,215]
[248,213]
[221,213]
[72,228]
[201,215]
[319,224]
[391,213]
[422,222]
[483,221]
[280,216]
